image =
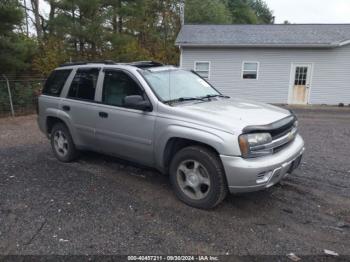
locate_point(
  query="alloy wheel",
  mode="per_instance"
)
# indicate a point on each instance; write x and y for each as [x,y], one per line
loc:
[60,143]
[193,179]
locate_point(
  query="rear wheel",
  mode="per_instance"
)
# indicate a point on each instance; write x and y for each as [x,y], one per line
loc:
[62,143]
[198,178]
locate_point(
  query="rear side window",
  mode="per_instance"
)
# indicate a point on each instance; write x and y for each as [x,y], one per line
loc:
[84,84]
[55,82]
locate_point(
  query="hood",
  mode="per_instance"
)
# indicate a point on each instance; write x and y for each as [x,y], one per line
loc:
[232,115]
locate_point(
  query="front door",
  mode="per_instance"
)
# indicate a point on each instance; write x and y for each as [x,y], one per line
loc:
[123,131]
[301,78]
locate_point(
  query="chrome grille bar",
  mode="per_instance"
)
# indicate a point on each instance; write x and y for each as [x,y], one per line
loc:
[290,136]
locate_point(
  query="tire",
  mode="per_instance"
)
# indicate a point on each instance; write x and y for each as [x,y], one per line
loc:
[198,178]
[63,149]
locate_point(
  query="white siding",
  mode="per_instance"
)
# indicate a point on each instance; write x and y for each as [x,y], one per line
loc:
[330,80]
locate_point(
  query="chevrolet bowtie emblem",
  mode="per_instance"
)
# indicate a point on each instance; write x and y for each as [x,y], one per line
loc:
[290,135]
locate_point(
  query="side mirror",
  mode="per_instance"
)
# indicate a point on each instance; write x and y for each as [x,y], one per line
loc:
[137,102]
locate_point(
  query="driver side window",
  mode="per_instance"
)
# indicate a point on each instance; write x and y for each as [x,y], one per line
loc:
[116,86]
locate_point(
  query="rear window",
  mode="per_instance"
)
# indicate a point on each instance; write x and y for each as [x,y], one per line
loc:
[84,83]
[55,82]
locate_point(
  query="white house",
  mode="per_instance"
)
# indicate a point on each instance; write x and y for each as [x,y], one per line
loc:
[294,64]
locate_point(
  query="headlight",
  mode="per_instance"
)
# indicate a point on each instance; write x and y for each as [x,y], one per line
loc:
[252,144]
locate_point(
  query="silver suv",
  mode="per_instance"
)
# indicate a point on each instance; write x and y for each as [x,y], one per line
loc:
[172,120]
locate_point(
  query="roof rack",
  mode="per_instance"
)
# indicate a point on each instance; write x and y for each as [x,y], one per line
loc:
[106,62]
[139,64]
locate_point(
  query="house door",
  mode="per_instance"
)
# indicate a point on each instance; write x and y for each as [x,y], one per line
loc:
[301,78]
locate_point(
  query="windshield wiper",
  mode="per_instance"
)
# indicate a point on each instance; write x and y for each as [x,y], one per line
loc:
[212,96]
[201,98]
[183,99]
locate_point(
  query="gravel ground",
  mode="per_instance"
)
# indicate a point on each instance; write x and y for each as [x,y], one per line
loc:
[102,205]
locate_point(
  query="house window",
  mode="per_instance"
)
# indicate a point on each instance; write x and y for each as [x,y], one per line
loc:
[250,70]
[203,69]
[300,75]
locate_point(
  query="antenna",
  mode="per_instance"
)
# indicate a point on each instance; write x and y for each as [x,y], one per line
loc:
[182,12]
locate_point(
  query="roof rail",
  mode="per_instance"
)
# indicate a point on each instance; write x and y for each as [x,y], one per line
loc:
[106,62]
[139,64]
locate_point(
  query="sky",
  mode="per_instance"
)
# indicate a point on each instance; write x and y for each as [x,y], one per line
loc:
[299,11]
[310,11]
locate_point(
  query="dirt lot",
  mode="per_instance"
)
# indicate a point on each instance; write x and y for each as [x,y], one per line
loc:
[101,205]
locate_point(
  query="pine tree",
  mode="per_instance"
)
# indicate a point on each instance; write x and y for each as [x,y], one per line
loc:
[16,49]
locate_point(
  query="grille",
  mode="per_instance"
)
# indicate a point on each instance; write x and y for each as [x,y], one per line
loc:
[283,133]
[279,132]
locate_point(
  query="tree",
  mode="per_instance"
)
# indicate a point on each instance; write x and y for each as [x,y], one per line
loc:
[249,11]
[53,7]
[16,48]
[149,31]
[120,12]
[38,19]
[262,11]
[11,16]
[81,24]
[207,12]
[52,53]
[126,30]
[241,12]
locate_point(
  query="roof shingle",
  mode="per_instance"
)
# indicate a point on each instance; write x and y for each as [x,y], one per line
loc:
[293,35]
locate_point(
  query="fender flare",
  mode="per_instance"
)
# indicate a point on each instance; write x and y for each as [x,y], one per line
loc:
[190,133]
[64,117]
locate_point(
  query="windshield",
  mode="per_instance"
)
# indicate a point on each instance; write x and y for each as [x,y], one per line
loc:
[172,85]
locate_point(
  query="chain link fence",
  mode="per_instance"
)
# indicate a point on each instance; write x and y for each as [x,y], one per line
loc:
[18,95]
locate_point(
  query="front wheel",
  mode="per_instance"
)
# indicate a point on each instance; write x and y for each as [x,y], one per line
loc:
[198,178]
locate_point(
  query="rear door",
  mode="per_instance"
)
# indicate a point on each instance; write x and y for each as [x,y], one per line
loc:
[123,131]
[81,108]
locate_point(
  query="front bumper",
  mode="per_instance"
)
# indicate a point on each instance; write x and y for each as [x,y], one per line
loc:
[247,175]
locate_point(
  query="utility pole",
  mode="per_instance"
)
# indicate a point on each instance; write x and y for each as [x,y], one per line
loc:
[182,12]
[26,14]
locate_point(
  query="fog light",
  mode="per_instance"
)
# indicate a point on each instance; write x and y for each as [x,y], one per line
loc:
[263,177]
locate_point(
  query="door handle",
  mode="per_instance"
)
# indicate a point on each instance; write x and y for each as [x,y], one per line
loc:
[103,114]
[66,108]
